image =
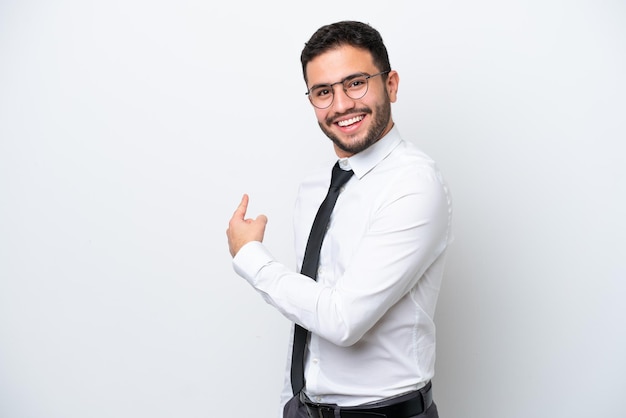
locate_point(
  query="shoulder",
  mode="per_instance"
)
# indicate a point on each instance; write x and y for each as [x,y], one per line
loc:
[410,163]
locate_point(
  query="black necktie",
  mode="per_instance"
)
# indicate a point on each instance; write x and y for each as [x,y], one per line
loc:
[310,266]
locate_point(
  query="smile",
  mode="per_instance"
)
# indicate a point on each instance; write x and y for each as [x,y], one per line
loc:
[348,122]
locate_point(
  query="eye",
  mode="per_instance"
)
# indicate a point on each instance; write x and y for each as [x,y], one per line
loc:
[321,91]
[356,83]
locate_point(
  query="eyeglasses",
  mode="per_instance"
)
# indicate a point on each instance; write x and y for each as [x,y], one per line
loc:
[355,87]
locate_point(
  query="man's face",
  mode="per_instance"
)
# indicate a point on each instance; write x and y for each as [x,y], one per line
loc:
[353,124]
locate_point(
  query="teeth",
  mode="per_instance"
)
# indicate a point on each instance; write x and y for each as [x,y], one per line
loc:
[350,121]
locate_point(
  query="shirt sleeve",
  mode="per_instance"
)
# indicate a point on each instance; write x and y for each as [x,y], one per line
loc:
[293,294]
[407,230]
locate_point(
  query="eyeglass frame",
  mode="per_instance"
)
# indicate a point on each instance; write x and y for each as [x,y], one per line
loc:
[345,90]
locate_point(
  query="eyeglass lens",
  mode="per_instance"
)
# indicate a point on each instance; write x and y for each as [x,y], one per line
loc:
[355,88]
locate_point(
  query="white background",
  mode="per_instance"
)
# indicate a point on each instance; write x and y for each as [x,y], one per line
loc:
[129,130]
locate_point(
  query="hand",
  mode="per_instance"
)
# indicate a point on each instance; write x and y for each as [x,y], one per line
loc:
[241,231]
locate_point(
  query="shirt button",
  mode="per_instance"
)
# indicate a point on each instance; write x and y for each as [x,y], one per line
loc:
[315,361]
[318,399]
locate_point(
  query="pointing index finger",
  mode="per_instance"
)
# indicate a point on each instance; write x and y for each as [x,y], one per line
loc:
[241,210]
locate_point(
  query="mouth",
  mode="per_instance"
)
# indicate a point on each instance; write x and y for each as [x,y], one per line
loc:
[349,122]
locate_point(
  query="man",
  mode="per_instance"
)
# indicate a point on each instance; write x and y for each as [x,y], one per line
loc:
[370,346]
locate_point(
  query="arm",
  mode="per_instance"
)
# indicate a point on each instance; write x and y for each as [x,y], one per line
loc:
[404,233]
[403,239]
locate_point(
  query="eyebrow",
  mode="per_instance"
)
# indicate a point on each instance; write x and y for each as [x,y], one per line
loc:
[340,81]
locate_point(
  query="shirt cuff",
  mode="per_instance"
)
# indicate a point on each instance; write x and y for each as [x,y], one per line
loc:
[250,259]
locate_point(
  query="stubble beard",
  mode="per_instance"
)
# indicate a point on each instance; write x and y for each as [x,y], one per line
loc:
[380,122]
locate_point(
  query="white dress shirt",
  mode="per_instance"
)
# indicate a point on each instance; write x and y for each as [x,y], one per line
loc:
[370,312]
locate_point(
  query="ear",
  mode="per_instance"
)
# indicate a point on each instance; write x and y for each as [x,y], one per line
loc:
[393,80]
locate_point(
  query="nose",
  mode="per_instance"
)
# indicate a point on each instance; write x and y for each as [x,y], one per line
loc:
[341,101]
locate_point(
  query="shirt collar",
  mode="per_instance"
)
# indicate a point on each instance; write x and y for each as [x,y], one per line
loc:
[366,160]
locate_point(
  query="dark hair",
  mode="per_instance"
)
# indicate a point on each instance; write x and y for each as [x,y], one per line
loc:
[356,34]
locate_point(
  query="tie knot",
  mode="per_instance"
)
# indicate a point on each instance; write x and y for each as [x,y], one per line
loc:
[339,177]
